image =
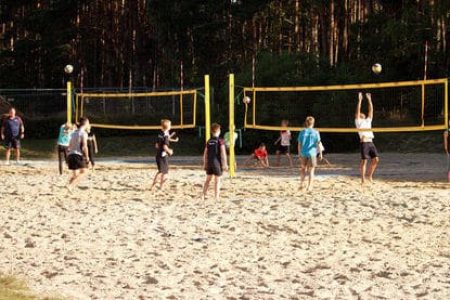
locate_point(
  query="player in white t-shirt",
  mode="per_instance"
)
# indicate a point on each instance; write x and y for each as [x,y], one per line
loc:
[368,149]
[284,144]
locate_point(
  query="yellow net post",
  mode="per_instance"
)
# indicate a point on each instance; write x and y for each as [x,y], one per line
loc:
[446,103]
[231,125]
[69,101]
[423,105]
[207,110]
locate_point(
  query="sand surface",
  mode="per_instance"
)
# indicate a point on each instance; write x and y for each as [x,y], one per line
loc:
[113,239]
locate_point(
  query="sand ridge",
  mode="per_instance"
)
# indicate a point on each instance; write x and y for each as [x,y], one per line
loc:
[113,239]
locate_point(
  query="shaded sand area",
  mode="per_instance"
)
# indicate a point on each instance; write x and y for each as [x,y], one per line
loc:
[113,239]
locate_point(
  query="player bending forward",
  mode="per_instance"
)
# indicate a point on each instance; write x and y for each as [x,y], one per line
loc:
[214,161]
[162,153]
[368,149]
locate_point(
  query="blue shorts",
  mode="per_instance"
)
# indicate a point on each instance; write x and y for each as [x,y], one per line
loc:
[12,142]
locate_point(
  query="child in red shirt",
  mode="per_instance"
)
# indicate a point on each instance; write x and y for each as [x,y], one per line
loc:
[261,156]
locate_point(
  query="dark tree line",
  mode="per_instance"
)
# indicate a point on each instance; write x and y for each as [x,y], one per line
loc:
[133,43]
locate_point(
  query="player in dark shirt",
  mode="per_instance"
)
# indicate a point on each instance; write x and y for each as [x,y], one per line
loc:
[162,153]
[214,161]
[12,132]
[92,146]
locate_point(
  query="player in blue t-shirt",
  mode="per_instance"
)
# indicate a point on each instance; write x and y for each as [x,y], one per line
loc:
[308,148]
[12,132]
[65,133]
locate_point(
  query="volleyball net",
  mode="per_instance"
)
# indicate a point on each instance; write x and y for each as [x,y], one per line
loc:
[398,106]
[140,110]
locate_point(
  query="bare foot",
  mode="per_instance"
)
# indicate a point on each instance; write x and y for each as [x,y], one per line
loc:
[69,189]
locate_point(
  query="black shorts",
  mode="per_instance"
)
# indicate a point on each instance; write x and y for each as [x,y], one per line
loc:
[163,164]
[368,150]
[284,149]
[214,169]
[76,162]
[12,142]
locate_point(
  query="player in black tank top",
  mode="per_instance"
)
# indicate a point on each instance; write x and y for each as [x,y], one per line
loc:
[214,160]
[214,164]
[162,153]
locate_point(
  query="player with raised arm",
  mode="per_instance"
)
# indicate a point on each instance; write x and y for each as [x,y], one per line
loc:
[308,148]
[162,153]
[78,159]
[12,132]
[214,161]
[367,147]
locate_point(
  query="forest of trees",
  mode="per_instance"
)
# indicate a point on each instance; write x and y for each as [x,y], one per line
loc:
[143,43]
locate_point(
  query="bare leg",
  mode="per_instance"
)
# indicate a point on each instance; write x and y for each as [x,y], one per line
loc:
[17,154]
[373,167]
[163,180]
[311,178]
[217,187]
[266,161]
[206,186]
[74,175]
[60,161]
[278,158]
[302,174]
[291,163]
[155,180]
[362,169]
[248,160]
[76,178]
[7,155]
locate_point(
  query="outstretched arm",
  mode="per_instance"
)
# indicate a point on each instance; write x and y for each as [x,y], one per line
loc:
[223,156]
[94,140]
[167,149]
[22,129]
[358,106]
[278,140]
[172,138]
[369,99]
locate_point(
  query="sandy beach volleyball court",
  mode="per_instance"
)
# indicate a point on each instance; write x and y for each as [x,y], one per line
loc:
[113,239]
